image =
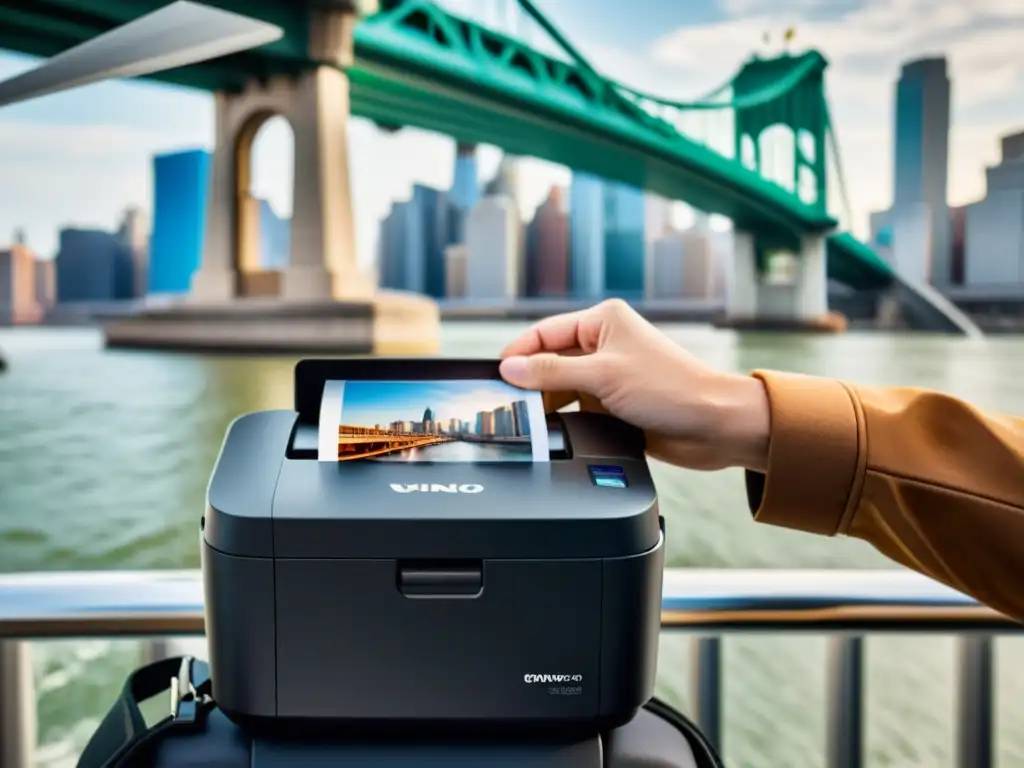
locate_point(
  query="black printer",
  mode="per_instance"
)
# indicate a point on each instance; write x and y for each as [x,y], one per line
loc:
[494,596]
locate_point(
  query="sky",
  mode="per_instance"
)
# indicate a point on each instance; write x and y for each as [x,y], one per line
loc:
[81,157]
[368,403]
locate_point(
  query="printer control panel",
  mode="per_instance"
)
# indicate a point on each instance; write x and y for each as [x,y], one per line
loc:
[607,476]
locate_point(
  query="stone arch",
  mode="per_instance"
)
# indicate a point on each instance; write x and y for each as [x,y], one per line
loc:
[246,210]
[321,255]
[240,122]
[256,276]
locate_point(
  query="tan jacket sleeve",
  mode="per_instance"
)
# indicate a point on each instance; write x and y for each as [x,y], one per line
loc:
[931,481]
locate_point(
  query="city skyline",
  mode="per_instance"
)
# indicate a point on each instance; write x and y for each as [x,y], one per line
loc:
[380,403]
[117,126]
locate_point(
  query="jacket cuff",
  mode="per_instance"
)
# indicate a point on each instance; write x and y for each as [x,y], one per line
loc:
[815,454]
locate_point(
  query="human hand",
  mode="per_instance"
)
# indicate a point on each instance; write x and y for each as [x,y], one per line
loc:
[693,416]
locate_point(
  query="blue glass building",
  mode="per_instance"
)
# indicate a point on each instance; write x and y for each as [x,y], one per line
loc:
[465,190]
[413,239]
[398,232]
[586,237]
[180,182]
[625,213]
[93,265]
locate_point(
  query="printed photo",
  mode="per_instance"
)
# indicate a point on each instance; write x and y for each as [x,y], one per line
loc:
[449,421]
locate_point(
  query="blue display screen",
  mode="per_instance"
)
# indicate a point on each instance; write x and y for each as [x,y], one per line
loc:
[608,476]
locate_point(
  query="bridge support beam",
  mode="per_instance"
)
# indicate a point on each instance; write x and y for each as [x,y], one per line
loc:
[743,289]
[810,300]
[322,263]
[797,301]
[322,301]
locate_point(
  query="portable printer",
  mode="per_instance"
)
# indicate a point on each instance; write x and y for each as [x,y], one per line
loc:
[423,594]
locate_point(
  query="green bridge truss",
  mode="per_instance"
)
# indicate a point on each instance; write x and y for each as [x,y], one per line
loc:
[417,65]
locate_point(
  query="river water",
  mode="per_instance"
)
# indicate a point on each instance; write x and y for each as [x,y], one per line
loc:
[105,456]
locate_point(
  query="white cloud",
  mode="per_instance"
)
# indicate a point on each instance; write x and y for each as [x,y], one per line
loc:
[83,175]
[866,46]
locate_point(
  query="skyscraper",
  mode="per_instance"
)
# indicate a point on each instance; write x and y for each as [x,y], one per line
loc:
[180,183]
[547,251]
[522,417]
[399,235]
[658,222]
[624,243]
[46,283]
[994,230]
[506,180]
[921,164]
[684,266]
[455,257]
[466,184]
[667,267]
[413,239]
[134,235]
[441,227]
[18,303]
[699,276]
[493,250]
[93,265]
[586,237]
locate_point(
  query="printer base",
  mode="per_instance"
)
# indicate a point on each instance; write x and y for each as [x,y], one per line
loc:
[483,731]
[647,741]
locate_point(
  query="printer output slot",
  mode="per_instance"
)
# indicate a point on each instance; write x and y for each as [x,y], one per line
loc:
[455,578]
[304,442]
[558,440]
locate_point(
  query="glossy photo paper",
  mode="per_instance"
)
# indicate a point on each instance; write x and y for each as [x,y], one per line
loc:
[449,421]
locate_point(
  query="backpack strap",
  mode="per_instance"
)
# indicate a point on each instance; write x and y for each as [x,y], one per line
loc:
[123,733]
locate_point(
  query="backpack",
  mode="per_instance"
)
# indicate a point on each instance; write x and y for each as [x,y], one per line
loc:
[199,735]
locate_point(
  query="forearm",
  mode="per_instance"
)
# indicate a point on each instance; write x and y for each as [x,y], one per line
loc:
[932,482]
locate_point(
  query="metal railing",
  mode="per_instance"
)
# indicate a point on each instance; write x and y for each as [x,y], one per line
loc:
[707,603]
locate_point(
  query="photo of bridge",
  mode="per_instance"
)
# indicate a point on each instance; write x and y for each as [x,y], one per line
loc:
[363,443]
[451,421]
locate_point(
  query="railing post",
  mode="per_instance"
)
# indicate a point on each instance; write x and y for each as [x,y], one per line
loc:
[18,729]
[156,649]
[706,680]
[975,702]
[845,702]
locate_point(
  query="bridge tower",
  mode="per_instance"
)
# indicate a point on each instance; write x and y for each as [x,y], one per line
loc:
[786,92]
[322,264]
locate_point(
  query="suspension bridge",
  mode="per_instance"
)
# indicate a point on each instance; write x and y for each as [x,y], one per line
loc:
[412,63]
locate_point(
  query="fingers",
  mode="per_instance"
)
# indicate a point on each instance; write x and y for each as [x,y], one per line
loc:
[549,372]
[580,330]
[552,334]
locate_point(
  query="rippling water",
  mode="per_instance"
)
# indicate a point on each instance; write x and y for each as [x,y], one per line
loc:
[104,459]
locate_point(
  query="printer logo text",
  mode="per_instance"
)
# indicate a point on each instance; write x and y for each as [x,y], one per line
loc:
[436,488]
[552,678]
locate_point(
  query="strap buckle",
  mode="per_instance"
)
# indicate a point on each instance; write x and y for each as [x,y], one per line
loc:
[185,699]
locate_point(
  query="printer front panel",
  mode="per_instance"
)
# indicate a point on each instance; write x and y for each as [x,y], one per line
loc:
[384,640]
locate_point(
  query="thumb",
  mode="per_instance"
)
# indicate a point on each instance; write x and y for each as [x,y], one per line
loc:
[547,372]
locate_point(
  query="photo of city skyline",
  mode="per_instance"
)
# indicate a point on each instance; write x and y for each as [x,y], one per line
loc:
[435,421]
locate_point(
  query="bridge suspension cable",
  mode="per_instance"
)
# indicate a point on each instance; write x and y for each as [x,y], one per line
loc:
[765,95]
[832,146]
